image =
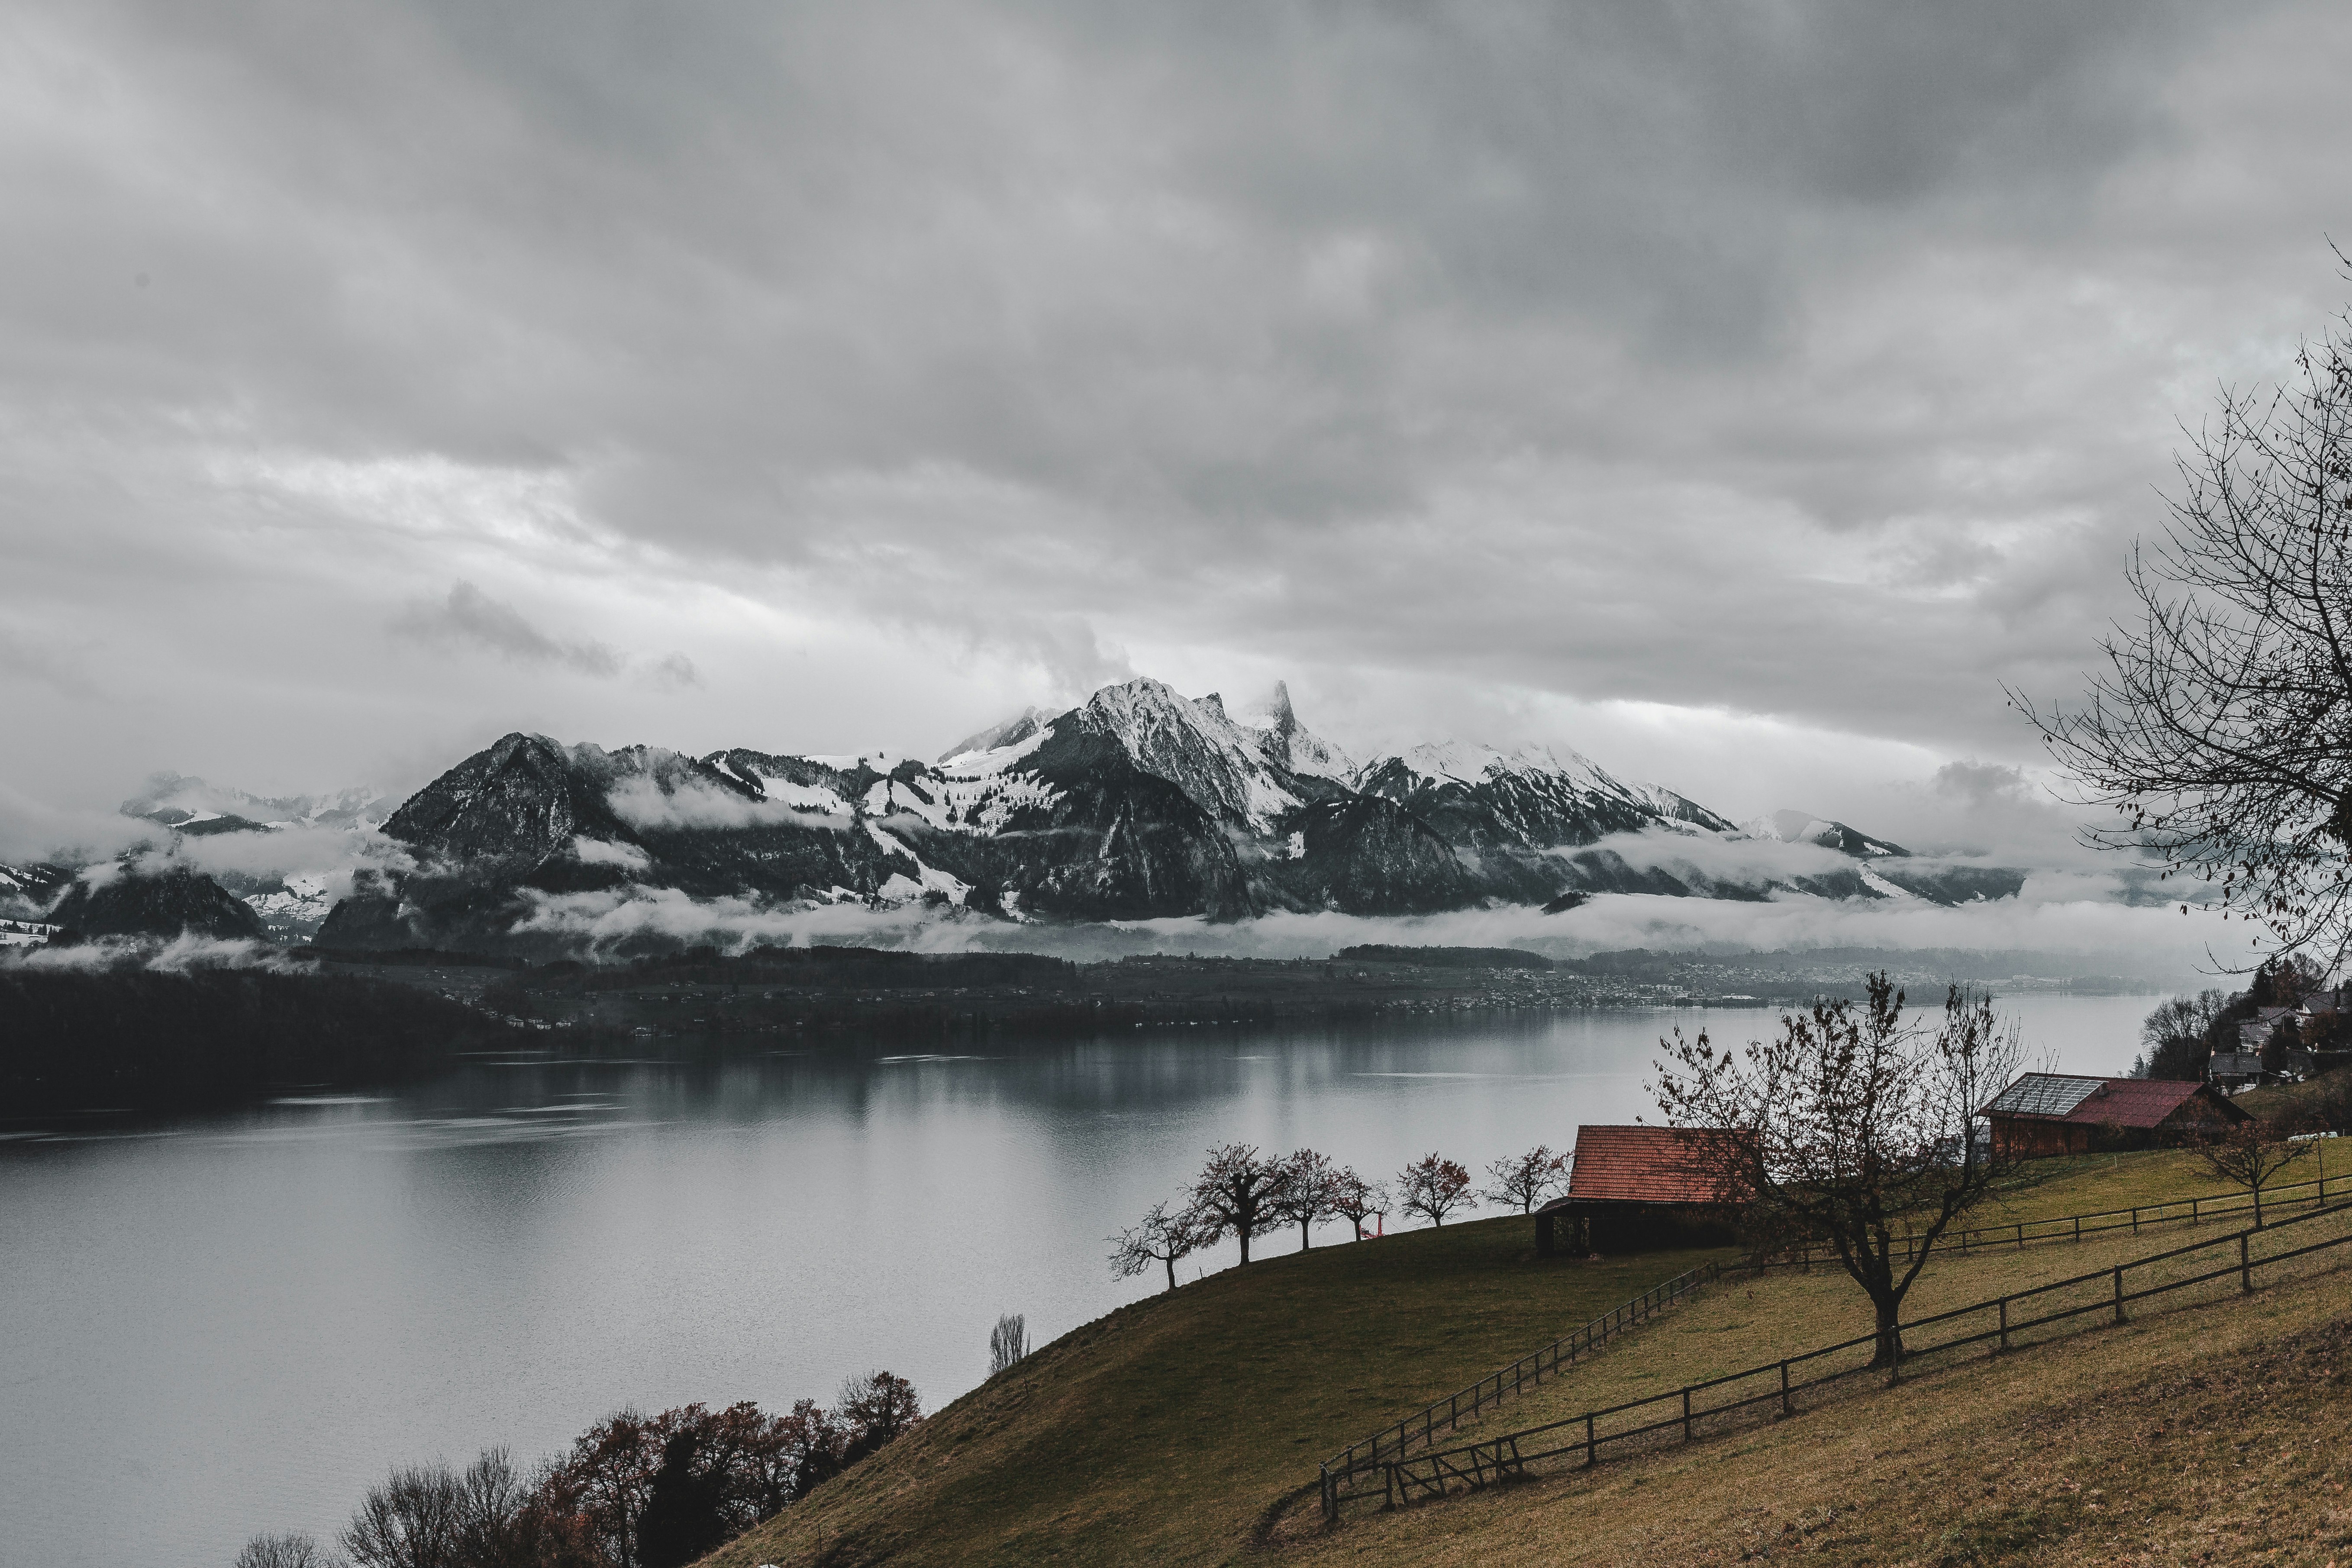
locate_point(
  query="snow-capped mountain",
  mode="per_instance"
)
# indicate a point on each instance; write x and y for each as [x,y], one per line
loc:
[192,806]
[1533,798]
[1804,827]
[1137,804]
[1672,808]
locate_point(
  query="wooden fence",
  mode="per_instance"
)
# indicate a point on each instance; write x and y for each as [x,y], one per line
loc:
[2074,1227]
[1773,1388]
[1528,1371]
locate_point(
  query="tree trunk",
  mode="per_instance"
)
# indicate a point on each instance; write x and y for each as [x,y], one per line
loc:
[1170,1262]
[1303,1243]
[1243,1232]
[2258,1205]
[1888,1353]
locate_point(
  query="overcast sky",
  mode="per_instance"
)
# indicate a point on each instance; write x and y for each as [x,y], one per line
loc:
[1737,392]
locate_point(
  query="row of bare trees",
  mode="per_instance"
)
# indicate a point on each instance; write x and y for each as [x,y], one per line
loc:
[1242,1193]
[634,1490]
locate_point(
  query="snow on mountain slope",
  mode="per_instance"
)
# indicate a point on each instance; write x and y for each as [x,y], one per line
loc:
[1533,798]
[26,890]
[297,907]
[1804,827]
[1677,810]
[1470,764]
[1223,767]
[983,787]
[1288,743]
[1021,727]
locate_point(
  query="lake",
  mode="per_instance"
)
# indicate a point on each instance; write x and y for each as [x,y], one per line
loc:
[236,1323]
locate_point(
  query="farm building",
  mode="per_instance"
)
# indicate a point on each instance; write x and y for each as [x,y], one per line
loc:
[2063,1114]
[1631,1189]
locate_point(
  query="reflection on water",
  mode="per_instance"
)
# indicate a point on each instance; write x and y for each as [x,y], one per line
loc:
[236,1323]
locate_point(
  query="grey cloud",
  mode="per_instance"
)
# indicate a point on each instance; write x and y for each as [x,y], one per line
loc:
[1980,784]
[1810,360]
[470,618]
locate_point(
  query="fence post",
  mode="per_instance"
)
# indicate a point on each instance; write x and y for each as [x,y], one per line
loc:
[1686,1414]
[2078,1227]
[1784,1390]
[2245,1269]
[2004,1322]
[1330,1500]
[1591,1449]
[2020,1236]
[2119,1292]
[2135,1222]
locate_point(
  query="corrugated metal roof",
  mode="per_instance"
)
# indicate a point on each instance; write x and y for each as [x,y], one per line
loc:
[2042,1094]
[1646,1165]
[2099,1101]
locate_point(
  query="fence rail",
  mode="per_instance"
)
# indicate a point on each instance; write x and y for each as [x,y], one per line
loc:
[1676,1415]
[1447,1413]
[2074,1227]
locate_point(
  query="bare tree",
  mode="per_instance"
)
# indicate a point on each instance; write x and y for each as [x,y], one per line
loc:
[1306,1192]
[2250,1155]
[1007,1343]
[1162,1237]
[2220,729]
[1434,1187]
[295,1551]
[2178,1037]
[1851,1127]
[415,1519]
[1523,1181]
[1355,1200]
[1234,1195]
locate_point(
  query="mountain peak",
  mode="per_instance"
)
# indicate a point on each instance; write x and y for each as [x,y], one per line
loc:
[1223,767]
[1291,743]
[1473,762]
[1275,714]
[1804,827]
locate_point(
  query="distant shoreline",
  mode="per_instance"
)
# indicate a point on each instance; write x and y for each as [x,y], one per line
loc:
[140,1043]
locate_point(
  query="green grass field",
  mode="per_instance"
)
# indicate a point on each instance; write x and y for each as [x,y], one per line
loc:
[1183,1429]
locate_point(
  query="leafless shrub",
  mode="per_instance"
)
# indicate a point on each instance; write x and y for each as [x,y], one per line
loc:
[1007,1343]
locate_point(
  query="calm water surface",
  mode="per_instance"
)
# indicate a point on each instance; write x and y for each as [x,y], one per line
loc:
[237,1323]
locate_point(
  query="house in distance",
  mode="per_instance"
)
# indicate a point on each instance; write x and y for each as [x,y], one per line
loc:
[2047,1113]
[1631,1189]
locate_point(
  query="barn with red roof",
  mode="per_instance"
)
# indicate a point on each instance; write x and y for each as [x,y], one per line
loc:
[2066,1113]
[1633,1188]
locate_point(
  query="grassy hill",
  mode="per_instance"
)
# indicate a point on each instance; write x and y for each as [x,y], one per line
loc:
[1183,1429]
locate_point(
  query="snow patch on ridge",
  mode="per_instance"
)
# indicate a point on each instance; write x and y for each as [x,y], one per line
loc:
[1193,746]
[1468,763]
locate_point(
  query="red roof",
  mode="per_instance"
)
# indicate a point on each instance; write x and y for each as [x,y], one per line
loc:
[2103,1101]
[1647,1165]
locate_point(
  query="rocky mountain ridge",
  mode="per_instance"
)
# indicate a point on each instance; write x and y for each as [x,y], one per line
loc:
[1140,804]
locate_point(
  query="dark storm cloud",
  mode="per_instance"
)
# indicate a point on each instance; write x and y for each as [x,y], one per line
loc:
[1802,360]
